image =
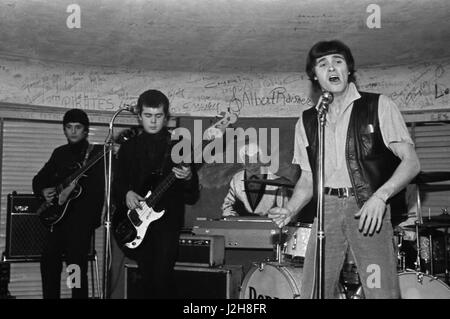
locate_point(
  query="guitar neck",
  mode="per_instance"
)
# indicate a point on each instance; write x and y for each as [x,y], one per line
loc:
[83,169]
[161,189]
[171,178]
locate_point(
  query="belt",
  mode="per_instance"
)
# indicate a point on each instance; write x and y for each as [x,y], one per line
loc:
[339,192]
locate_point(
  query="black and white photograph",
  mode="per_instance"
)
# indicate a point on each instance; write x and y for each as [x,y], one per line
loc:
[225,154]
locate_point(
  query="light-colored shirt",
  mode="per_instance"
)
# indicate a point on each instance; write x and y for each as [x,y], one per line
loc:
[272,196]
[392,126]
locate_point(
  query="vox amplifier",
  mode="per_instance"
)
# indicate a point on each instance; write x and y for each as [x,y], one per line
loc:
[25,233]
[201,251]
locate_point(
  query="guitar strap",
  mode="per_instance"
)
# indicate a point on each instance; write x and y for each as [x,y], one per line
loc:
[88,151]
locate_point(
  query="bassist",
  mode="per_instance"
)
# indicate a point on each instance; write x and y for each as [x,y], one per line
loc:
[72,235]
[143,162]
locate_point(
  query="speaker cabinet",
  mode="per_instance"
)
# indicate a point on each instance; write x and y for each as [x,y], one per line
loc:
[25,234]
[194,282]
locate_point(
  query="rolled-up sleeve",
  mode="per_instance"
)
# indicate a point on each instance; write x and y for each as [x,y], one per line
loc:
[300,145]
[392,125]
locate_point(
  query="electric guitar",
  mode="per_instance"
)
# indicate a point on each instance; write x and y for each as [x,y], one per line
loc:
[129,231]
[52,212]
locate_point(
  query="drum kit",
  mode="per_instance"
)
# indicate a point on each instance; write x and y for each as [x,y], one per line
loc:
[282,278]
[422,281]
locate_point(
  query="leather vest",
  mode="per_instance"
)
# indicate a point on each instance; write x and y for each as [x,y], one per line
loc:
[369,162]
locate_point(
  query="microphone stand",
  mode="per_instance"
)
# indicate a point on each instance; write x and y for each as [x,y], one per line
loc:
[320,240]
[109,143]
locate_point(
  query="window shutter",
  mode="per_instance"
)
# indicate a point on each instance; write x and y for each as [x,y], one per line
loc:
[433,149]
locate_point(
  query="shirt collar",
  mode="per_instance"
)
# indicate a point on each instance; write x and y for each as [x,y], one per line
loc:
[352,96]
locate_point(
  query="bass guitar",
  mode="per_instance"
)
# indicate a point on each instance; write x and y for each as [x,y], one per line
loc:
[129,231]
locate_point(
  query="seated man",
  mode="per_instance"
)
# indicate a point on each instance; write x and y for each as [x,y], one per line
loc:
[245,198]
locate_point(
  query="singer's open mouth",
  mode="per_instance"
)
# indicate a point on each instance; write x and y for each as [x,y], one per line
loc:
[334,79]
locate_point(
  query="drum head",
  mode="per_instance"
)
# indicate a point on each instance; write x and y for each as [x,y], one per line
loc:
[272,281]
[428,288]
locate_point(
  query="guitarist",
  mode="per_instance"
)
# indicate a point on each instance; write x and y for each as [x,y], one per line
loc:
[143,161]
[72,235]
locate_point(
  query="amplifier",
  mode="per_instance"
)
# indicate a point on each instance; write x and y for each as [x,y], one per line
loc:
[240,232]
[201,251]
[25,233]
[221,282]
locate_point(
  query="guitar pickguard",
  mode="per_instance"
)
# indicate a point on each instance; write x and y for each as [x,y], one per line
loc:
[141,218]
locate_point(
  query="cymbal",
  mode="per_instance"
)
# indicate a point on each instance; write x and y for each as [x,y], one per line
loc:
[434,187]
[281,181]
[429,225]
[431,177]
[443,218]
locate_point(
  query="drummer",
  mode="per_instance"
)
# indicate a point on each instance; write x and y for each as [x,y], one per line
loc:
[245,198]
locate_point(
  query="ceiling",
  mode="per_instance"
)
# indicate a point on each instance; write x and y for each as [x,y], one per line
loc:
[221,35]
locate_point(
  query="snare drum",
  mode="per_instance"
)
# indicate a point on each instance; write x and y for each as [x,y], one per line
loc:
[296,240]
[422,286]
[274,281]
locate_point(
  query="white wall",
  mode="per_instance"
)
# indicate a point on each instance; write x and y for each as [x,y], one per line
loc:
[423,86]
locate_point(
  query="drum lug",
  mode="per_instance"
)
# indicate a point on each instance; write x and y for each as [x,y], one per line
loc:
[419,277]
[259,265]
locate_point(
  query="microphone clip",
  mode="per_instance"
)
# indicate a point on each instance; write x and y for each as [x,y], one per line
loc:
[324,101]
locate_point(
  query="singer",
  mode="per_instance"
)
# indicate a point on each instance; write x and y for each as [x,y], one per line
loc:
[369,157]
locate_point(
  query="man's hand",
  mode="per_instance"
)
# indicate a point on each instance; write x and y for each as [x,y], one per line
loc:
[371,215]
[49,194]
[280,216]
[133,199]
[183,173]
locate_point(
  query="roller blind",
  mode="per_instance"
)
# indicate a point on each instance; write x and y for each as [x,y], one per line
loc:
[433,149]
[27,145]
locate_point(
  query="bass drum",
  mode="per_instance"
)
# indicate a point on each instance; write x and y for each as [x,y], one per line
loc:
[424,287]
[273,281]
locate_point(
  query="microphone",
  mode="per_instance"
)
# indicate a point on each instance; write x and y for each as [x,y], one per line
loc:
[325,100]
[130,108]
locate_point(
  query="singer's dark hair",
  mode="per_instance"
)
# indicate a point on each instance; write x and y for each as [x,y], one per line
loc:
[323,48]
[154,99]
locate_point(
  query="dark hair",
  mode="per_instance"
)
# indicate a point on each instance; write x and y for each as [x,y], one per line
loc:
[76,116]
[323,48]
[154,99]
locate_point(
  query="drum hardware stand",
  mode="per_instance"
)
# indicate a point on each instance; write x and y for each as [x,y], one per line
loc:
[109,143]
[401,256]
[278,246]
[447,281]
[280,243]
[431,254]
[319,285]
[417,223]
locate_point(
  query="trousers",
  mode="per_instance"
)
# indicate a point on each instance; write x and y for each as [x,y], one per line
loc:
[72,239]
[374,255]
